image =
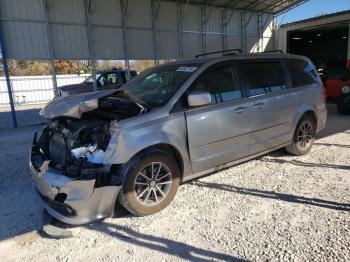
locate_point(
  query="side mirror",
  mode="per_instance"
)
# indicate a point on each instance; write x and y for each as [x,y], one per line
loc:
[199,98]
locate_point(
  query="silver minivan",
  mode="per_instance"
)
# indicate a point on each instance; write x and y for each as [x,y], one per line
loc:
[170,124]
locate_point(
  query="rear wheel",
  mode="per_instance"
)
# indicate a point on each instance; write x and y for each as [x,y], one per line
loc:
[151,182]
[304,137]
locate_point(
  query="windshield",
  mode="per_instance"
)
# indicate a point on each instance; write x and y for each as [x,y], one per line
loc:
[90,79]
[157,85]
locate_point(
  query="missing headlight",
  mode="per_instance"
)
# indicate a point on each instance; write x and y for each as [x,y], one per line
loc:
[91,153]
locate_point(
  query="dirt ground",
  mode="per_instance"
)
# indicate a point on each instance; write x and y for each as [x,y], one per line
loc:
[274,208]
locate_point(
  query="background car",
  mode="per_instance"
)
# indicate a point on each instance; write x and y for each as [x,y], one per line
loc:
[343,103]
[112,79]
[335,75]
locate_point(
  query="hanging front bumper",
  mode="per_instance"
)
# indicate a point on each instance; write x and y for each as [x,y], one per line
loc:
[72,201]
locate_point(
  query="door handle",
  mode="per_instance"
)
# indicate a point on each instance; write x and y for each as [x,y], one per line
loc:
[240,109]
[259,105]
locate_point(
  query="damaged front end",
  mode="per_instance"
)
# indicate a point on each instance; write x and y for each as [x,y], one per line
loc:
[67,160]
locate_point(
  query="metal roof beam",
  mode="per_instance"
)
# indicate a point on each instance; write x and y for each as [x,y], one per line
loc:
[230,3]
[271,6]
[289,7]
[252,5]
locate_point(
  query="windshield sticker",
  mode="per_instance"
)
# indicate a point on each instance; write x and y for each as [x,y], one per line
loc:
[188,69]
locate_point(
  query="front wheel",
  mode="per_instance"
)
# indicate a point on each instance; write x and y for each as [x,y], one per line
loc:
[151,181]
[304,137]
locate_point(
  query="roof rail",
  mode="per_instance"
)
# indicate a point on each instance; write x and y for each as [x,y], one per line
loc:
[274,51]
[219,52]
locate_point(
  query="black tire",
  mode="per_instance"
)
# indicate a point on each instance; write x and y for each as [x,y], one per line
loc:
[302,142]
[134,183]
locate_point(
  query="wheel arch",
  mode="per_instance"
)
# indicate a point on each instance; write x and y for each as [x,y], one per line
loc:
[312,114]
[172,150]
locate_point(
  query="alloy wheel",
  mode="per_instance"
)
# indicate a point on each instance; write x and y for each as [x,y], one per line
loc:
[152,184]
[305,134]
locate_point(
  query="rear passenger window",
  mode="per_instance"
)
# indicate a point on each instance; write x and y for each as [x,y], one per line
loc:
[222,83]
[264,78]
[301,72]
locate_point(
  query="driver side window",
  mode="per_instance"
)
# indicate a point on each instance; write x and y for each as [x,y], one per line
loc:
[222,84]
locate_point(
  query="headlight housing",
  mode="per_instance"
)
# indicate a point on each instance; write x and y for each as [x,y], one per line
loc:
[345,89]
[91,152]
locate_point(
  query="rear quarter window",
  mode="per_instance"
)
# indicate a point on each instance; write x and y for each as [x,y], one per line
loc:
[301,72]
[264,77]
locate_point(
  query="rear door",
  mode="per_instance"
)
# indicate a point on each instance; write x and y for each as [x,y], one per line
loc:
[273,103]
[218,133]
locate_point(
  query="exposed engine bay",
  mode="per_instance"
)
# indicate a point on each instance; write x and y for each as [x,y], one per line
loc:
[68,159]
[71,144]
[77,146]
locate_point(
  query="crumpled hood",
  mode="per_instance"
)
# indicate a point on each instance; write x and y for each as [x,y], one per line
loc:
[74,105]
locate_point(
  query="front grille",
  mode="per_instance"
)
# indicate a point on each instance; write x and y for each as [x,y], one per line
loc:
[57,149]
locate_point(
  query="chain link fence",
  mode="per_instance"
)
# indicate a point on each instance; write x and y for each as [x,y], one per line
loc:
[30,93]
[27,90]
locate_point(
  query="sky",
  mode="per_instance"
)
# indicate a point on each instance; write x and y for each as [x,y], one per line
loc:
[314,8]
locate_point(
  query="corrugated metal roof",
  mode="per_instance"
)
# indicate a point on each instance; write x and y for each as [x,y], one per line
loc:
[317,18]
[260,6]
[26,30]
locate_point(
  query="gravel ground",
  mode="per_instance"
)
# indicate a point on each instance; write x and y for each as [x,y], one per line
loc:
[276,208]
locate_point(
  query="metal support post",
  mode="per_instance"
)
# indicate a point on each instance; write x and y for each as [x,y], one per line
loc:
[244,24]
[124,9]
[7,77]
[203,29]
[243,32]
[205,15]
[87,9]
[224,28]
[51,49]
[274,34]
[155,6]
[260,42]
[226,20]
[180,54]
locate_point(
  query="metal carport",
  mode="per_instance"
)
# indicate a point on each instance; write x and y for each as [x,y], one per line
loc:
[133,29]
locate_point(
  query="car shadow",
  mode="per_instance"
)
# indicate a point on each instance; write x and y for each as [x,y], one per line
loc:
[159,244]
[337,145]
[304,164]
[275,195]
[335,123]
